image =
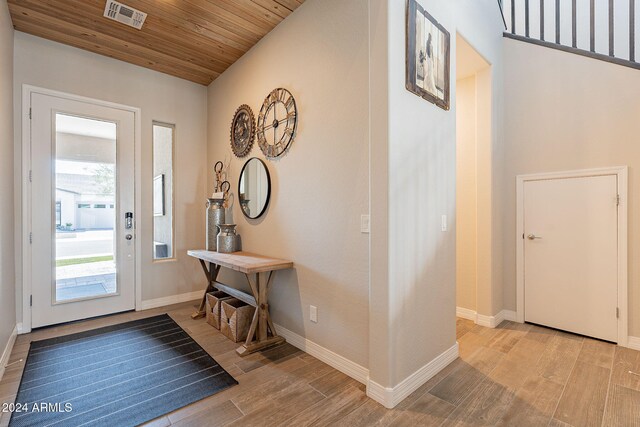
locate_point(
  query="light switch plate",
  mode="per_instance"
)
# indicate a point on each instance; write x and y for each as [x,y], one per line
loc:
[444,223]
[365,224]
[313,313]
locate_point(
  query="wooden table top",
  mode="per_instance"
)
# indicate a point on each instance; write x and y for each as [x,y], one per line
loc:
[243,262]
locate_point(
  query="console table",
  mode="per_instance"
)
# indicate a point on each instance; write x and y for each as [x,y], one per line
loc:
[262,333]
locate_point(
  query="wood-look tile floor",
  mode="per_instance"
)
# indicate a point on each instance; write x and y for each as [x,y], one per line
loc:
[514,375]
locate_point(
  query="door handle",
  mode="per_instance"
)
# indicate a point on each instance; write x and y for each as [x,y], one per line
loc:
[533,237]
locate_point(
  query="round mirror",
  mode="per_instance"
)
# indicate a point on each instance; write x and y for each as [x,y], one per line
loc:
[254,188]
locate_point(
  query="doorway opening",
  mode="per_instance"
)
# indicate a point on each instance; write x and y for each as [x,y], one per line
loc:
[473,188]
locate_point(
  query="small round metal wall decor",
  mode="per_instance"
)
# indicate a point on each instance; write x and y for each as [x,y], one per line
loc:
[243,131]
[277,123]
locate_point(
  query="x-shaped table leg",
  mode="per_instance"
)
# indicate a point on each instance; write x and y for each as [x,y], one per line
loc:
[212,274]
[258,337]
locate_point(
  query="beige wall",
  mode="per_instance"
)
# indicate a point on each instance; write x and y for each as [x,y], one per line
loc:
[7,276]
[466,194]
[476,286]
[381,337]
[414,305]
[321,187]
[490,188]
[161,97]
[569,112]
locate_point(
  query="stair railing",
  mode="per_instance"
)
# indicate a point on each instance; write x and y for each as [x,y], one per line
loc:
[601,29]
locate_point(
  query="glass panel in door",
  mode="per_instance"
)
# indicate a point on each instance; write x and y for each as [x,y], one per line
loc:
[85,208]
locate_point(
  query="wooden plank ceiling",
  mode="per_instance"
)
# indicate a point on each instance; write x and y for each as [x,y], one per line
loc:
[192,39]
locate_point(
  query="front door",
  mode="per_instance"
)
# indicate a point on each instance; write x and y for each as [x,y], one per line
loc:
[571,254]
[82,195]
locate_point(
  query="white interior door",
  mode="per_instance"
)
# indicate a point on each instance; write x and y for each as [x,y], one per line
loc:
[82,251]
[571,254]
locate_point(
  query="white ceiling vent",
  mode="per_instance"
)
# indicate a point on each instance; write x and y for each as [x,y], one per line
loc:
[124,14]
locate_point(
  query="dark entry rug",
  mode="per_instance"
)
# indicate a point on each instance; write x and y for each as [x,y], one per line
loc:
[118,376]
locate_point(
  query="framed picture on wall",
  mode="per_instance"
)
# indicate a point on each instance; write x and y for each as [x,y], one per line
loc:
[158,195]
[428,56]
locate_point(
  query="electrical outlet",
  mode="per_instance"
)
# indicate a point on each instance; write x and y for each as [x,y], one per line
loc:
[444,223]
[313,313]
[365,223]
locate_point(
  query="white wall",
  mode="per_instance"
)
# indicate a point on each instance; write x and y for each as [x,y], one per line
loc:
[569,112]
[320,188]
[418,322]
[7,276]
[161,97]
[466,194]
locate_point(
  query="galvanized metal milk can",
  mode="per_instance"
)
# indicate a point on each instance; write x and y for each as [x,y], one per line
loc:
[227,238]
[215,216]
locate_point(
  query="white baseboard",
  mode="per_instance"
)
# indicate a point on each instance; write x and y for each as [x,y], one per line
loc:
[21,329]
[6,354]
[466,313]
[486,321]
[175,299]
[633,343]
[389,397]
[341,363]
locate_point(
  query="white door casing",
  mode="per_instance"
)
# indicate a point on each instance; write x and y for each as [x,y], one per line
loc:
[575,276]
[38,264]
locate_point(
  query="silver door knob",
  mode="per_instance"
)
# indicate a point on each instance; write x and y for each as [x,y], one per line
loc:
[533,237]
[128,237]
